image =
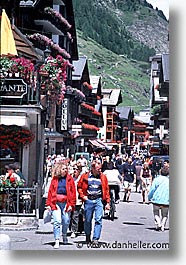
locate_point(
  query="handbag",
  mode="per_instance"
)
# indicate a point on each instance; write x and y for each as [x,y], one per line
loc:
[47,216]
[61,198]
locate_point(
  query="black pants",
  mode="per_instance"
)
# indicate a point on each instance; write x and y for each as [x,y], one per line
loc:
[116,189]
[76,223]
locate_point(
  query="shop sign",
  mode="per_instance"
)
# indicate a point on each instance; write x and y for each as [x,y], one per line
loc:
[13,88]
[64,115]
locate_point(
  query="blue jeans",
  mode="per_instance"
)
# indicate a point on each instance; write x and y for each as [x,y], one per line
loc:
[91,207]
[60,216]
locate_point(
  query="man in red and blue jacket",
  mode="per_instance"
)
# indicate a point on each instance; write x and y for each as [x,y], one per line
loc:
[94,191]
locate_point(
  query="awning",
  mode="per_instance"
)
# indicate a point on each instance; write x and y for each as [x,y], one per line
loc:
[110,145]
[54,135]
[19,119]
[97,144]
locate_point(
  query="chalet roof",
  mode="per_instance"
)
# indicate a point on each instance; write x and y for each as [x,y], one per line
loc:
[143,116]
[111,97]
[142,119]
[124,112]
[94,81]
[165,66]
[79,66]
[23,45]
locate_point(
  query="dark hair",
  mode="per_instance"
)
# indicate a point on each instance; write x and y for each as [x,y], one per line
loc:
[138,163]
[17,165]
[119,161]
[79,168]
[165,171]
[10,166]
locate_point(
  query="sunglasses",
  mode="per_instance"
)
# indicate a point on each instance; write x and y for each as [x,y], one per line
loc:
[75,168]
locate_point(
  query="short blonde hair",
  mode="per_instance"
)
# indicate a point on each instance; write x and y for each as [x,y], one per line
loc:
[57,168]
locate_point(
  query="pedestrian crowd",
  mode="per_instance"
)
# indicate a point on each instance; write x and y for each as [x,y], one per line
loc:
[76,193]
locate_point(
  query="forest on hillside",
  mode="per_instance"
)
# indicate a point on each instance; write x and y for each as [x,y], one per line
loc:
[97,21]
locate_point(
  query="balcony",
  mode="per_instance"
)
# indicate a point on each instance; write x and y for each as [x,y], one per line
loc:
[55,18]
[84,111]
[49,27]
[91,99]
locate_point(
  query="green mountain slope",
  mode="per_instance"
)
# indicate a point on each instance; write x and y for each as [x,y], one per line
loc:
[130,27]
[117,72]
[118,37]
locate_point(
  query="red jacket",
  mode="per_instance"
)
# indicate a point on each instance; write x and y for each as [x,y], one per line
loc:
[83,186]
[71,192]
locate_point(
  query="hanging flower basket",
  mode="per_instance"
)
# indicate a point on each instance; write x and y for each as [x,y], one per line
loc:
[53,78]
[58,17]
[16,67]
[90,127]
[86,84]
[40,40]
[87,106]
[14,136]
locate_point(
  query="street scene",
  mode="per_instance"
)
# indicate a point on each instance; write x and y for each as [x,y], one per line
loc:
[133,228]
[84,128]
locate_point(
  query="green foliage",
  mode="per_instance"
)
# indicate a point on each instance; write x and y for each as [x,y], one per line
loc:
[129,5]
[156,109]
[160,13]
[104,27]
[142,51]
[117,71]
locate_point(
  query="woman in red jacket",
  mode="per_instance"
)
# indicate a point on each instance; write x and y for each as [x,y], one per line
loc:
[61,200]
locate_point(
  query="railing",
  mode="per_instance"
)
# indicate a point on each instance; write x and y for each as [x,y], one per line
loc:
[19,202]
[85,111]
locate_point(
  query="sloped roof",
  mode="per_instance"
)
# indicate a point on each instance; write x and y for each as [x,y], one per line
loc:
[79,66]
[143,116]
[142,119]
[23,45]
[114,97]
[124,112]
[94,81]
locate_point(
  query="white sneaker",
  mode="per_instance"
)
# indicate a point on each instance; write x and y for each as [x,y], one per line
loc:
[163,223]
[56,246]
[73,235]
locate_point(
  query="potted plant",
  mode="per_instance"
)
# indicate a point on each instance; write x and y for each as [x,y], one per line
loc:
[156,110]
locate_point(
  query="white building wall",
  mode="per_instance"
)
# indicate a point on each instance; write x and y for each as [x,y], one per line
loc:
[103,129]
